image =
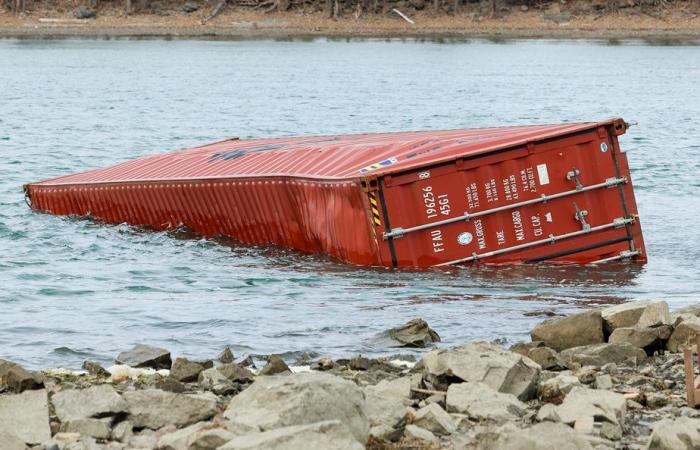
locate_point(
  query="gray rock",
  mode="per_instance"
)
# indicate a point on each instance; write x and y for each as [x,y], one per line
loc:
[555,389]
[655,400]
[398,389]
[543,436]
[693,310]
[682,433]
[122,431]
[479,401]
[600,354]
[654,315]
[434,419]
[97,428]
[684,333]
[9,441]
[26,416]
[386,414]
[234,372]
[523,348]
[214,380]
[200,436]
[581,403]
[623,315]
[15,378]
[603,382]
[95,369]
[297,399]
[170,384]
[488,363]
[330,434]
[360,363]
[95,401]
[145,356]
[419,434]
[152,408]
[275,365]
[185,370]
[611,431]
[547,358]
[648,338]
[572,331]
[415,333]
[84,12]
[226,356]
[190,7]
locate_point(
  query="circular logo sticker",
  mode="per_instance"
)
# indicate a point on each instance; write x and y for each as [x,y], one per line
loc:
[603,147]
[465,238]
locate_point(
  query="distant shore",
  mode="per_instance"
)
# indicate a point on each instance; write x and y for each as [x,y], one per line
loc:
[249,24]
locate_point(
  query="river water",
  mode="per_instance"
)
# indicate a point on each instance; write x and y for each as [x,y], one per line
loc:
[72,290]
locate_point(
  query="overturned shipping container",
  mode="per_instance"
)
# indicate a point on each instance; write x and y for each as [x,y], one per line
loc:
[558,193]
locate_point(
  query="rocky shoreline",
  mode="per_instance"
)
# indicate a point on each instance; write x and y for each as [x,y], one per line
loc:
[606,378]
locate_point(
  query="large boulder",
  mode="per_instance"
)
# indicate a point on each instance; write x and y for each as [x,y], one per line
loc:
[479,401]
[329,434]
[415,333]
[17,379]
[623,315]
[502,370]
[682,433]
[601,354]
[185,370]
[11,442]
[25,416]
[299,399]
[153,408]
[683,336]
[145,356]
[648,338]
[582,404]
[543,436]
[386,413]
[572,331]
[95,401]
[655,314]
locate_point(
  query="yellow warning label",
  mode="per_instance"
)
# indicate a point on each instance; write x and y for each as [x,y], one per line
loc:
[375,208]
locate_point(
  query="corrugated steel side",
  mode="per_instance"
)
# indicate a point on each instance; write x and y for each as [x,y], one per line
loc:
[306,215]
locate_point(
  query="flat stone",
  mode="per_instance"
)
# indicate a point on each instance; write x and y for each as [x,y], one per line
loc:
[300,399]
[600,354]
[26,416]
[523,348]
[543,436]
[16,378]
[398,388]
[642,337]
[185,370]
[623,315]
[611,431]
[145,356]
[555,389]
[199,436]
[682,433]
[95,401]
[654,315]
[603,382]
[434,419]
[330,434]
[153,408]
[684,333]
[9,441]
[415,333]
[170,385]
[603,406]
[235,372]
[419,434]
[386,414]
[502,370]
[479,401]
[547,358]
[275,365]
[572,331]
[97,428]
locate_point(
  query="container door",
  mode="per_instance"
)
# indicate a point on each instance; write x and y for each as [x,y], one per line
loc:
[564,200]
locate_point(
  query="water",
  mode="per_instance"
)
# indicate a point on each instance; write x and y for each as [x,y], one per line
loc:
[72,290]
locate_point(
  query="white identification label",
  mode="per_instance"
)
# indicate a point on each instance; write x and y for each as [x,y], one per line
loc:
[543,174]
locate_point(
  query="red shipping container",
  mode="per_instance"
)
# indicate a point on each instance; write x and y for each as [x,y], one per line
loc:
[560,193]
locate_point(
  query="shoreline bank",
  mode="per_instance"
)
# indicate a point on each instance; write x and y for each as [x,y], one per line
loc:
[234,25]
[603,378]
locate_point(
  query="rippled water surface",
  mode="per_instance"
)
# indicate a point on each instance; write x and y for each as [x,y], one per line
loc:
[71,289]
